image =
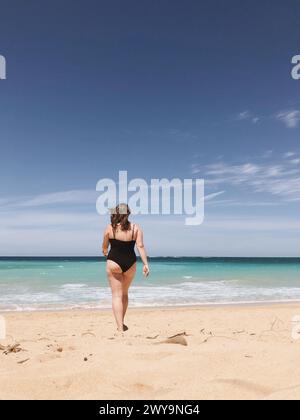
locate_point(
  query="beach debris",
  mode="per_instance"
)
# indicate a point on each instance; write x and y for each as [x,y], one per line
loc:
[152,338]
[60,350]
[239,332]
[85,359]
[23,361]
[175,339]
[14,348]
[179,335]
[277,329]
[217,336]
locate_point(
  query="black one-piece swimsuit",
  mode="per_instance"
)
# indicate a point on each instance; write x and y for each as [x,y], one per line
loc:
[122,252]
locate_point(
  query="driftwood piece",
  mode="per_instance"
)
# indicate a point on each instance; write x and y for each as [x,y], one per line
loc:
[23,361]
[181,334]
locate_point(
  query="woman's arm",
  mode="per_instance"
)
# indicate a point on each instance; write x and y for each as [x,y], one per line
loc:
[142,251]
[105,242]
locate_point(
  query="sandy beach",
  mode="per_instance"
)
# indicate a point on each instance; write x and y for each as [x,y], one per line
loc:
[237,352]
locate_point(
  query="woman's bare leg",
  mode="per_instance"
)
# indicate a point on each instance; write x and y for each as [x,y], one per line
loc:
[128,276]
[115,277]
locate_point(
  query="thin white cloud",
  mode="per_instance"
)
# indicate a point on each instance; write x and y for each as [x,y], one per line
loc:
[42,218]
[211,196]
[68,198]
[248,116]
[252,223]
[290,118]
[62,197]
[245,115]
[280,179]
[295,161]
[237,203]
[289,154]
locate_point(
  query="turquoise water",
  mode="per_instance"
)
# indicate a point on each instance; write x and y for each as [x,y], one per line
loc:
[60,283]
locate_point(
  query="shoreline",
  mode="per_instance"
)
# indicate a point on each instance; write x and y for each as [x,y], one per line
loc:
[159,307]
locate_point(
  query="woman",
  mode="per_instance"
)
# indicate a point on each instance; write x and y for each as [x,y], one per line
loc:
[122,236]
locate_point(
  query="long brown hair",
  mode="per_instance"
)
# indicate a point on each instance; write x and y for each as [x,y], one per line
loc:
[120,215]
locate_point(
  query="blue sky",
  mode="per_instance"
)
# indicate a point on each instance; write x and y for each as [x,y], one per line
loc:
[161,89]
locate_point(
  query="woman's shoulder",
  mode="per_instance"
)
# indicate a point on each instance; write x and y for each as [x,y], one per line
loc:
[136,226]
[108,228]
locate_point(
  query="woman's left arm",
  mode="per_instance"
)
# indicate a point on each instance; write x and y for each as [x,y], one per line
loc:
[105,242]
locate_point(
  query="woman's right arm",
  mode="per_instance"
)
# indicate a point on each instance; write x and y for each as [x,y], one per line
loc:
[142,251]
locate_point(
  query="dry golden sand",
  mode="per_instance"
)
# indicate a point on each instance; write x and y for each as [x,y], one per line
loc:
[231,353]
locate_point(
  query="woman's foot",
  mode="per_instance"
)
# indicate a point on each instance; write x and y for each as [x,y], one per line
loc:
[125,328]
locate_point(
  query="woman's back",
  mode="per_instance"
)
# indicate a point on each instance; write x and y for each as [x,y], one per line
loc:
[123,235]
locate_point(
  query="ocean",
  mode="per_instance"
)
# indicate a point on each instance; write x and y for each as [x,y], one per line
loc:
[64,283]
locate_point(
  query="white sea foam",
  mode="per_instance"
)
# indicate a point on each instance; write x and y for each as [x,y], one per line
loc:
[73,286]
[83,290]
